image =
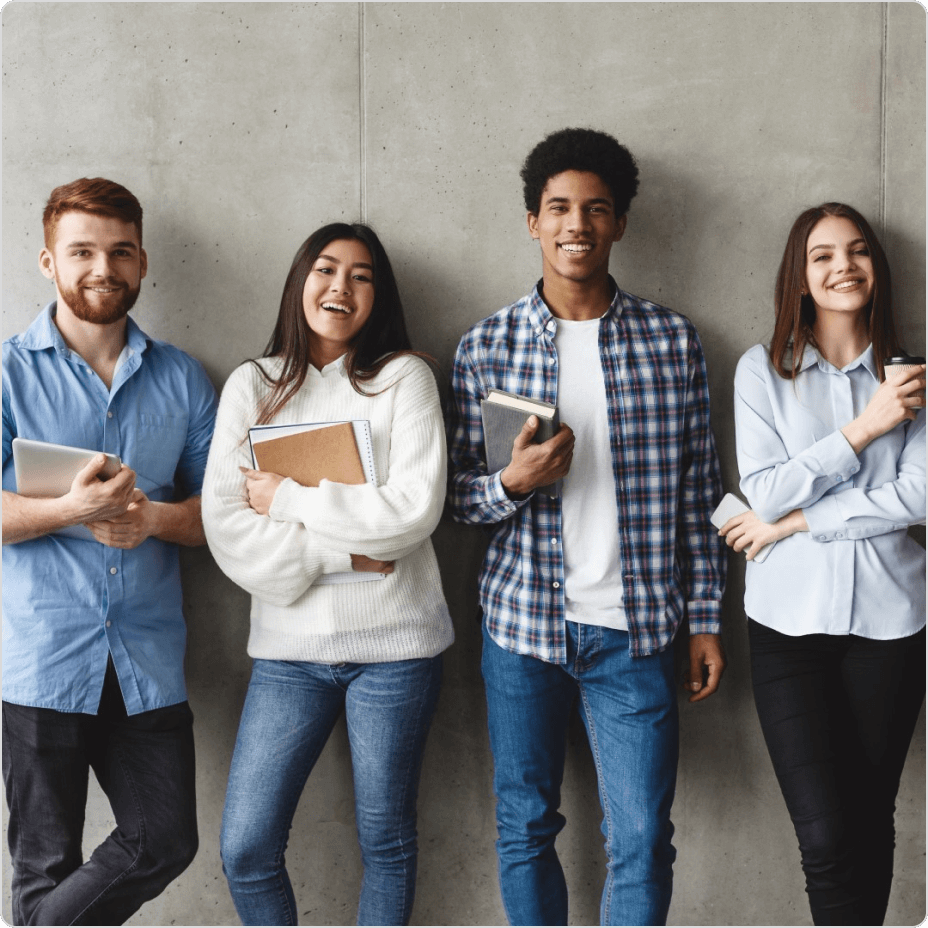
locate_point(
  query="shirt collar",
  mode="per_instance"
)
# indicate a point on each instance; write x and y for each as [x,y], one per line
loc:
[543,320]
[865,359]
[43,333]
[333,367]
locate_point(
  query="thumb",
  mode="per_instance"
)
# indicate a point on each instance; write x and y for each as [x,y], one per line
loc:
[90,470]
[528,432]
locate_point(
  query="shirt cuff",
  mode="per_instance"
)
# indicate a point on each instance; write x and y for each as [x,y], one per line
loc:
[825,520]
[704,617]
[837,457]
[287,504]
[498,501]
[335,563]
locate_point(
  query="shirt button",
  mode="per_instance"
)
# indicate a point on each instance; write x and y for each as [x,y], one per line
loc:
[108,623]
[109,415]
[550,360]
[839,534]
[554,541]
[556,585]
[113,570]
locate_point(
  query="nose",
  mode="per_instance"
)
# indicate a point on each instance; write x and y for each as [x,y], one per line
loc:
[102,266]
[577,219]
[341,282]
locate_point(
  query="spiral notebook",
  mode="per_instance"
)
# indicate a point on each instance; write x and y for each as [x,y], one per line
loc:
[310,452]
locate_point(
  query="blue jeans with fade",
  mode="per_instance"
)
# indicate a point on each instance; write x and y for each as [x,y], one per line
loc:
[290,711]
[629,708]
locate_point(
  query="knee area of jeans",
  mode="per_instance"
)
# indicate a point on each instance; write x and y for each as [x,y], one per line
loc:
[167,859]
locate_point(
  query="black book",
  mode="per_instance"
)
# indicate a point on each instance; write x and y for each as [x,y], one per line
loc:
[504,415]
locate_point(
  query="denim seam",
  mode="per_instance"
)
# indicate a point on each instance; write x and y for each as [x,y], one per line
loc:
[17,864]
[119,878]
[604,802]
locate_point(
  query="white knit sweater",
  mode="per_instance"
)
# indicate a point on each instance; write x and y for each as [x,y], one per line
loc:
[312,531]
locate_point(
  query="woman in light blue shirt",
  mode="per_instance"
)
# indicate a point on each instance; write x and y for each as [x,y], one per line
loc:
[832,461]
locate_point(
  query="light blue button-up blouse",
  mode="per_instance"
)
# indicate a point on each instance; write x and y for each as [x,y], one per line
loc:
[855,571]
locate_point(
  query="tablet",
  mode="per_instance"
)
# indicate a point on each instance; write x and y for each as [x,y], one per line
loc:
[44,469]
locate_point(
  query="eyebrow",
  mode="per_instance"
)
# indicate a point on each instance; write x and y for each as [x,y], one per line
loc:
[856,241]
[596,200]
[336,261]
[94,244]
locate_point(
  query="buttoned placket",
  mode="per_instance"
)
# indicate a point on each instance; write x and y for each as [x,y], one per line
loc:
[842,398]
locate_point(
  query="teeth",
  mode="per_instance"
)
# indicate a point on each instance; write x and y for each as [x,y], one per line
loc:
[845,284]
[336,307]
[576,248]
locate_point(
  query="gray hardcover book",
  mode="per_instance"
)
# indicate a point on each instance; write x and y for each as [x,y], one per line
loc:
[503,416]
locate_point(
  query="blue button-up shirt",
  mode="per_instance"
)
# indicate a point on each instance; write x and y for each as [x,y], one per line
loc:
[67,602]
[855,571]
[664,462]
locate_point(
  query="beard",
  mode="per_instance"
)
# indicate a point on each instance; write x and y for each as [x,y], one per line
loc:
[115,307]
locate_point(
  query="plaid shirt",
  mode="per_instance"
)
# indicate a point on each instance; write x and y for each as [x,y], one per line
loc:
[667,479]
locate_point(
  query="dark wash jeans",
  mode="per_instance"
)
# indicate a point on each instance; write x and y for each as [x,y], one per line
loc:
[838,713]
[145,765]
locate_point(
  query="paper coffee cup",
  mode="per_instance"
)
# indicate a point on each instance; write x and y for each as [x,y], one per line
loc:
[903,363]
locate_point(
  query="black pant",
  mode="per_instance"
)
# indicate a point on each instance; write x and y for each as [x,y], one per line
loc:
[145,765]
[838,713]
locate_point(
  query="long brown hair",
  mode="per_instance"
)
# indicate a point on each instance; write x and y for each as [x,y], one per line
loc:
[795,312]
[381,339]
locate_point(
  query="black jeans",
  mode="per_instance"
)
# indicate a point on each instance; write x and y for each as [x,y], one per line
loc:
[145,765]
[838,713]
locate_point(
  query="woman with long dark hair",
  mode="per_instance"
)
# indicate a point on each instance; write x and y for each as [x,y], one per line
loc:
[832,461]
[339,352]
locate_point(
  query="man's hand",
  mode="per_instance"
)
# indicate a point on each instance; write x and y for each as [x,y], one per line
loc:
[260,487]
[368,565]
[91,499]
[706,654]
[129,530]
[536,465]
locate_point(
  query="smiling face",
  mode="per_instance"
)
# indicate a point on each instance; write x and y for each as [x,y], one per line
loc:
[338,298]
[839,270]
[97,264]
[576,226]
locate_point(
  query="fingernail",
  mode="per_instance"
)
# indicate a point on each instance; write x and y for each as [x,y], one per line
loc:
[695,687]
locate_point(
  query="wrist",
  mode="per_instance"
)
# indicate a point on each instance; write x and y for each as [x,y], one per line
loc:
[857,435]
[511,484]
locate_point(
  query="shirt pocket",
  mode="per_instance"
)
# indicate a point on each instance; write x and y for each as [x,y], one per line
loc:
[159,444]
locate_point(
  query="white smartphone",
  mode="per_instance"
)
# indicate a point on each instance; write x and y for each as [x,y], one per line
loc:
[730,507]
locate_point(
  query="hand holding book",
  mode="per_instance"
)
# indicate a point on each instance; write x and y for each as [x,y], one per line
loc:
[537,465]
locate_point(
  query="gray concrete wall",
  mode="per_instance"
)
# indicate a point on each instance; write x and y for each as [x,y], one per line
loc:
[242,127]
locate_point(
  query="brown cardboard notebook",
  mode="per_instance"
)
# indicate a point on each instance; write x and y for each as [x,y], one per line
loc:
[327,453]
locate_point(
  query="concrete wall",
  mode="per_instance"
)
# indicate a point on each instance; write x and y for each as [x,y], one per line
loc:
[242,127]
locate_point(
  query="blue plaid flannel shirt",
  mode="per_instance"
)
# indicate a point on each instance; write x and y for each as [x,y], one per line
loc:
[663,457]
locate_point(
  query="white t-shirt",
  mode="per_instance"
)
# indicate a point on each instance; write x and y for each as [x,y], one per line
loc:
[589,513]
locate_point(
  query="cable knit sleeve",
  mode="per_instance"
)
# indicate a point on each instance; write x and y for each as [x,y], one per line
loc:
[393,519]
[275,561]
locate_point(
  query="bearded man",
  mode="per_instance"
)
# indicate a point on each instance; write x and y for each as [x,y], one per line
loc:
[93,631]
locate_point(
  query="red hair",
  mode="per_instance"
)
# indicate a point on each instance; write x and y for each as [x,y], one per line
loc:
[91,195]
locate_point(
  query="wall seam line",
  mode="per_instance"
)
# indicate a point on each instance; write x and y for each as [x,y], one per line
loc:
[884,44]
[362,120]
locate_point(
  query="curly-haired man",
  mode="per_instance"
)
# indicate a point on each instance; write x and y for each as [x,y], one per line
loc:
[583,592]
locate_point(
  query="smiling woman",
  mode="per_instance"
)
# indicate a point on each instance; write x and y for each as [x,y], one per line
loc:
[339,352]
[832,460]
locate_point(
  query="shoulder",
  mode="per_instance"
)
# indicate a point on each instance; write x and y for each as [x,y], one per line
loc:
[247,380]
[509,322]
[755,361]
[647,317]
[163,357]
[406,372]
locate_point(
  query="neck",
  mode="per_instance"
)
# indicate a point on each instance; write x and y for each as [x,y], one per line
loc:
[99,345]
[577,299]
[841,337]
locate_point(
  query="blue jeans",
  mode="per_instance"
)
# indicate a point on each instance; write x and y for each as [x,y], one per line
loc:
[290,711]
[145,765]
[629,708]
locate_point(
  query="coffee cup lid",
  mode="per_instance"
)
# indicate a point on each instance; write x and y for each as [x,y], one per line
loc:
[903,359]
